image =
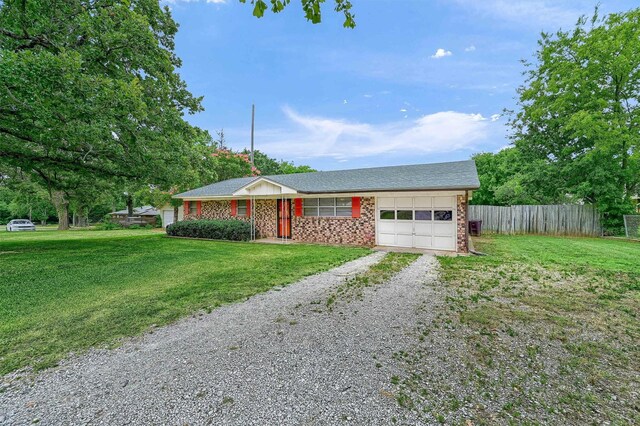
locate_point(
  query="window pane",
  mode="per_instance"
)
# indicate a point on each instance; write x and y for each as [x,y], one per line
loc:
[327,211]
[445,215]
[327,201]
[193,205]
[387,214]
[343,202]
[310,202]
[311,211]
[423,214]
[242,211]
[242,203]
[405,214]
[343,211]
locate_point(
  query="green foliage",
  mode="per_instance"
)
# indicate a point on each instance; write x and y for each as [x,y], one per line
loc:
[505,179]
[270,166]
[112,286]
[230,164]
[579,115]
[90,99]
[232,230]
[311,9]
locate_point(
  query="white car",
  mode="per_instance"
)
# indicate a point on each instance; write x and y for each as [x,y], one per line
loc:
[20,225]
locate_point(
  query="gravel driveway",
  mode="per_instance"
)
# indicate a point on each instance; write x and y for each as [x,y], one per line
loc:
[279,358]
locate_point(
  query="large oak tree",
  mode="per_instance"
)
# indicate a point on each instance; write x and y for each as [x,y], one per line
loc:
[579,113]
[89,91]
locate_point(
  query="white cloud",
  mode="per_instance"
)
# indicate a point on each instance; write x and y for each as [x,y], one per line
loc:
[403,110]
[470,48]
[495,117]
[314,137]
[441,53]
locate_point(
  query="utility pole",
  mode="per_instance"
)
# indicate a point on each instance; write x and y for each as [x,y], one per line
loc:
[253,119]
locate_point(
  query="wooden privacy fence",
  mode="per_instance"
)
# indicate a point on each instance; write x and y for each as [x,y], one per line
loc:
[562,219]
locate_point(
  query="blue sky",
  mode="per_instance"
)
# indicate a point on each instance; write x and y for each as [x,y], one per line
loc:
[417,81]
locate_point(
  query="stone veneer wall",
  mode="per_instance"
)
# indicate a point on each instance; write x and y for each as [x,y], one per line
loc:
[338,230]
[462,224]
[264,212]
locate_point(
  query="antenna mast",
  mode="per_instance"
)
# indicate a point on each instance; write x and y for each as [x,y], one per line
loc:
[253,118]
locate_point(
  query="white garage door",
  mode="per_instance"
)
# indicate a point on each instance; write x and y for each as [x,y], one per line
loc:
[421,222]
[167,218]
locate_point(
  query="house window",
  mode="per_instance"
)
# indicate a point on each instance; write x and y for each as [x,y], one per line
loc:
[327,207]
[193,207]
[242,208]
[443,215]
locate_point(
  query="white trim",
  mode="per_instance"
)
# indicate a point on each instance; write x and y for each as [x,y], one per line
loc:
[247,189]
[334,195]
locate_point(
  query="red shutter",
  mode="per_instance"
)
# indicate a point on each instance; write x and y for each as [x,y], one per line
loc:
[355,207]
[198,208]
[298,206]
[234,207]
[248,208]
[186,208]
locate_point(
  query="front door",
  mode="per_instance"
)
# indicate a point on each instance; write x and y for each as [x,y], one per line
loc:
[284,219]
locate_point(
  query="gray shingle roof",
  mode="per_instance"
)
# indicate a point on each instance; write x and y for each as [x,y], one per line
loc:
[435,176]
[140,211]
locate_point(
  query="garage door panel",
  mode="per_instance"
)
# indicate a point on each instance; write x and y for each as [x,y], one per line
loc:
[422,202]
[387,239]
[385,227]
[386,202]
[444,243]
[443,202]
[421,241]
[443,229]
[422,228]
[167,218]
[415,224]
[404,240]
[404,202]
[404,228]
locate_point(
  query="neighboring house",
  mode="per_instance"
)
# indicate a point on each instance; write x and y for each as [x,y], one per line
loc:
[145,215]
[167,214]
[422,206]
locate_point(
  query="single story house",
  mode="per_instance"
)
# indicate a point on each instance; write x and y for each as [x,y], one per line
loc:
[145,215]
[420,206]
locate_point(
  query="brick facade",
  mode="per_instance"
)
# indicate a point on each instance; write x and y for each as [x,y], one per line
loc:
[462,245]
[360,231]
[329,230]
[264,212]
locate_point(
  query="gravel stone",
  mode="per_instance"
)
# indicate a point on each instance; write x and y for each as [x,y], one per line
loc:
[279,358]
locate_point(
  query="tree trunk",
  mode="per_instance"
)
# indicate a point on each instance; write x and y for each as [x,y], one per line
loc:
[61,204]
[175,215]
[129,205]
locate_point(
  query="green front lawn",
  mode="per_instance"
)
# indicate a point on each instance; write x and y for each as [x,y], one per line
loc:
[542,330]
[63,292]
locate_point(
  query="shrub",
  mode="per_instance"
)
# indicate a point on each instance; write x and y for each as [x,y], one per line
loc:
[234,230]
[108,226]
[134,226]
[148,226]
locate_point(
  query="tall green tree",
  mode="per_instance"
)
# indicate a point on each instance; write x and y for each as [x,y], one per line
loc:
[89,90]
[579,112]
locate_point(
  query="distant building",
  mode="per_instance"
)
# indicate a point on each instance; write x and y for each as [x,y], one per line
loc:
[145,215]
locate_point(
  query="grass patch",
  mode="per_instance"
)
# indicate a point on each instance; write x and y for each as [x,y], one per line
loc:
[353,288]
[64,292]
[546,326]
